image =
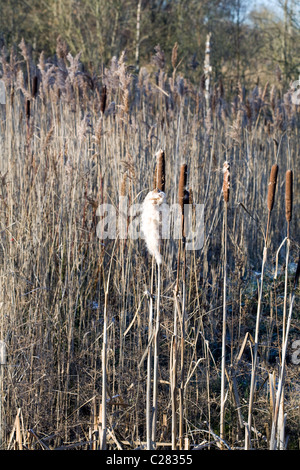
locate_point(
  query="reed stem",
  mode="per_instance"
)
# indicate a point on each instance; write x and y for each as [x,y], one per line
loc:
[222,413]
[156,354]
[149,361]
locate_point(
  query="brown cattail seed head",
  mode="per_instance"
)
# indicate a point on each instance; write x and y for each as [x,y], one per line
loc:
[34,86]
[226,181]
[103,99]
[288,195]
[272,186]
[160,169]
[182,185]
[28,109]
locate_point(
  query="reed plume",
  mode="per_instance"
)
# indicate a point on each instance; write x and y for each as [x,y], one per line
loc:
[174,55]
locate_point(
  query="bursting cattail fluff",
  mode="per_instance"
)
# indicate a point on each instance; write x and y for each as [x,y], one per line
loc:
[152,219]
[272,186]
[226,181]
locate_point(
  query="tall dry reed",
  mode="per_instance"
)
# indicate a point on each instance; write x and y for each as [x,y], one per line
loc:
[226,191]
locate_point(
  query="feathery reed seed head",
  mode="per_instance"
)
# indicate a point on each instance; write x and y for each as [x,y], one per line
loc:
[123,185]
[174,55]
[152,218]
[288,195]
[272,186]
[226,181]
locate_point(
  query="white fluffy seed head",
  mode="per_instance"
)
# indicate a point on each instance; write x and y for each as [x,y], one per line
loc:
[151,222]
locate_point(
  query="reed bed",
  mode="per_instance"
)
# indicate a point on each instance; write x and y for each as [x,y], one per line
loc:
[75,309]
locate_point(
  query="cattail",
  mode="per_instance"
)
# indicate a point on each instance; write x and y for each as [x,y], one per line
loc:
[103,99]
[151,222]
[27,109]
[226,181]
[248,109]
[272,186]
[182,185]
[160,170]
[221,88]
[34,86]
[288,195]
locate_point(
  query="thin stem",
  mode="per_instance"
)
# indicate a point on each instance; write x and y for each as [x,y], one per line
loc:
[285,289]
[148,391]
[254,363]
[181,390]
[279,413]
[222,414]
[104,358]
[156,354]
[173,382]
[281,377]
[104,375]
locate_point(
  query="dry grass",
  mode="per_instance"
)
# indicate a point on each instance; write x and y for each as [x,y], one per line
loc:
[61,157]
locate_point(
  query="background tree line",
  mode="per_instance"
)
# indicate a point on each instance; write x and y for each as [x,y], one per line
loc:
[248,40]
